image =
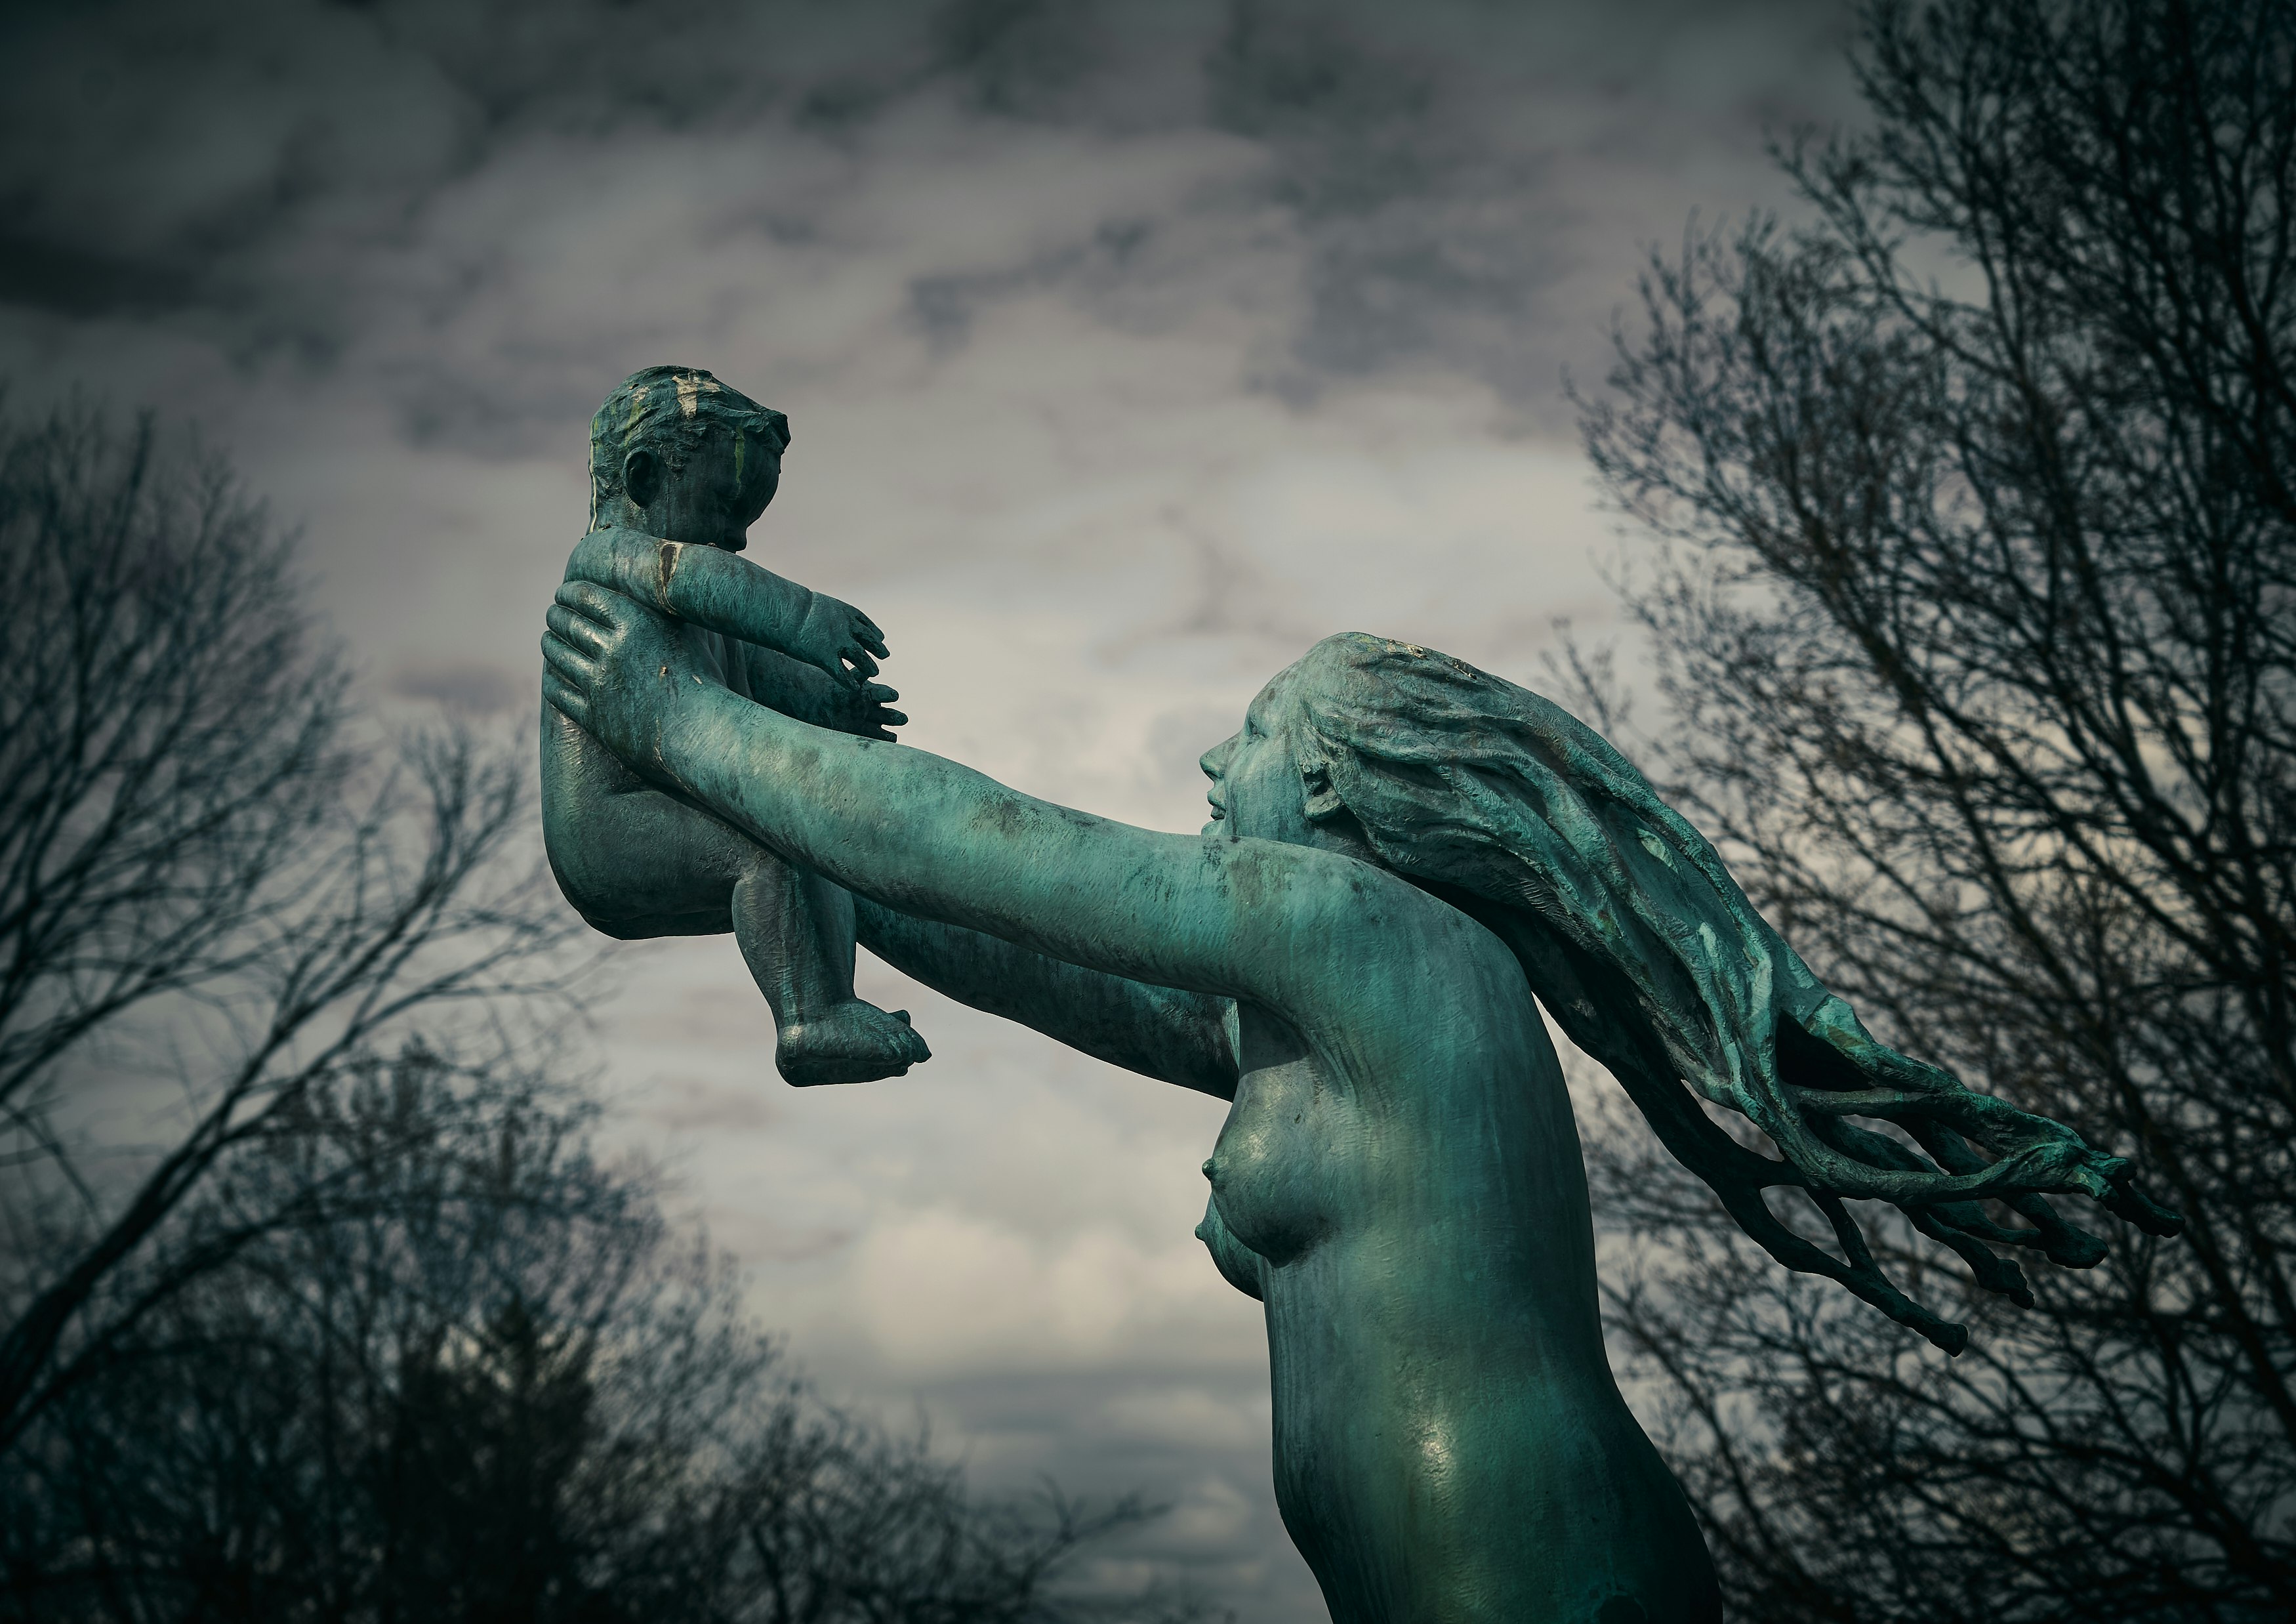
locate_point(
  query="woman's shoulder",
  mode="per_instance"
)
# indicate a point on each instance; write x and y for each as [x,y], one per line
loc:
[1368,941]
[1373,908]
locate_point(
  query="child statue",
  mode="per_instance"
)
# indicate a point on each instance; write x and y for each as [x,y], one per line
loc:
[680,467]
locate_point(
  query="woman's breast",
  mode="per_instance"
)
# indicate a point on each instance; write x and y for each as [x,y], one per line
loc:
[1277,1169]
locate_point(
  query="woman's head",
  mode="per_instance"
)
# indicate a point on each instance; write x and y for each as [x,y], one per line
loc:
[1261,788]
[1306,765]
[1645,950]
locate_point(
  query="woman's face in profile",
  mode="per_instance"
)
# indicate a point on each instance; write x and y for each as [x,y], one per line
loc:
[1256,790]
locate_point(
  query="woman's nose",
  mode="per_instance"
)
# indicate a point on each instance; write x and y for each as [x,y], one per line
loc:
[1214,761]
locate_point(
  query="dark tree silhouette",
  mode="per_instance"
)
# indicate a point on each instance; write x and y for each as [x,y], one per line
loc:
[488,1385]
[370,1333]
[1976,620]
[207,884]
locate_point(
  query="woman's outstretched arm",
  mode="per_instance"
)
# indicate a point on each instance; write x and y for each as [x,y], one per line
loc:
[1158,1032]
[1286,926]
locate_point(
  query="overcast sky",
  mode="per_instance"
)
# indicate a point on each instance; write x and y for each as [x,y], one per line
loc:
[1128,349]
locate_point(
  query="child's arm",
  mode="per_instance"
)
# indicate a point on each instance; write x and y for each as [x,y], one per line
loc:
[635,862]
[810,694]
[710,587]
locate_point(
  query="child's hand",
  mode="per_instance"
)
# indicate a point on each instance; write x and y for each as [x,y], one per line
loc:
[840,640]
[867,710]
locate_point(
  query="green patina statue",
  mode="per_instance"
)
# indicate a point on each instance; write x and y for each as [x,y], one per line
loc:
[1407,857]
[676,455]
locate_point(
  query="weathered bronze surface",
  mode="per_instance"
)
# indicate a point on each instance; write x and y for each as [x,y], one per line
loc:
[676,455]
[1407,856]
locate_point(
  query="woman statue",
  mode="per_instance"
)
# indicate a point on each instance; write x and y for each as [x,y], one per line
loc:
[1407,857]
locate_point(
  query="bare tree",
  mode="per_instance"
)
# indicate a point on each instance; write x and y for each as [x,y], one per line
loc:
[1976,622]
[370,1332]
[494,1384]
[208,885]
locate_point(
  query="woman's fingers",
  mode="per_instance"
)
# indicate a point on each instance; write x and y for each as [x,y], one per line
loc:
[878,693]
[579,630]
[569,700]
[569,662]
[594,601]
[863,667]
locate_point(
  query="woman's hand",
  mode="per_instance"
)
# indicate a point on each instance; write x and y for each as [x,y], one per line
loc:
[619,670]
[715,589]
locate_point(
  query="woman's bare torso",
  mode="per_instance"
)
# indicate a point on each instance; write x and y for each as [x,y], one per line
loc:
[1449,1445]
[1442,1401]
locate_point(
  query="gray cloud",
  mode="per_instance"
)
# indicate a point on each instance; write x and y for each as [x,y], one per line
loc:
[475,686]
[945,304]
[252,172]
[1131,346]
[74,281]
[1018,58]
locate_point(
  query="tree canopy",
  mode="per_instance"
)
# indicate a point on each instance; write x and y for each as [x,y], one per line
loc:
[1974,486]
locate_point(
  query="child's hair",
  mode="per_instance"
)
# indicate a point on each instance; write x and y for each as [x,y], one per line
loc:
[669,411]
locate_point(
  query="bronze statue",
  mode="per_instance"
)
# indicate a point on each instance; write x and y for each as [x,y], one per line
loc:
[676,455]
[1407,857]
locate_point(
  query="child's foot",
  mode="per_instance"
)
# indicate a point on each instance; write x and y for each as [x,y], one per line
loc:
[851,1042]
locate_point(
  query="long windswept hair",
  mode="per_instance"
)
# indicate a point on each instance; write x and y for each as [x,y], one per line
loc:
[1648,955]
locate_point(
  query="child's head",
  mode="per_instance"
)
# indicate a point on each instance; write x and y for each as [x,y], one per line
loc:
[675,435]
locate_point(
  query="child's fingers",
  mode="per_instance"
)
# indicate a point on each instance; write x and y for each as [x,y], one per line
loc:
[878,693]
[889,719]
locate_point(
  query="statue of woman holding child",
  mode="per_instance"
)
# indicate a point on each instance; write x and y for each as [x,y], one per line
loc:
[1408,858]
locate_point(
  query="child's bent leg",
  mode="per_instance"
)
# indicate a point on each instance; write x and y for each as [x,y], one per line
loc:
[796,931]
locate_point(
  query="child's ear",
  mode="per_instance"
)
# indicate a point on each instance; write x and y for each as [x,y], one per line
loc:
[642,476]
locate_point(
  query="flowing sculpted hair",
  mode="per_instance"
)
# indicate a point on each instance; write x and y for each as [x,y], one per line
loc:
[1647,954]
[670,411]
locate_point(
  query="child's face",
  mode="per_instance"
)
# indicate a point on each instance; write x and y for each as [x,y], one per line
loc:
[720,493]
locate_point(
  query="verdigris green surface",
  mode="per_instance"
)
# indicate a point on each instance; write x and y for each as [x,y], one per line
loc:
[1406,857]
[676,455]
